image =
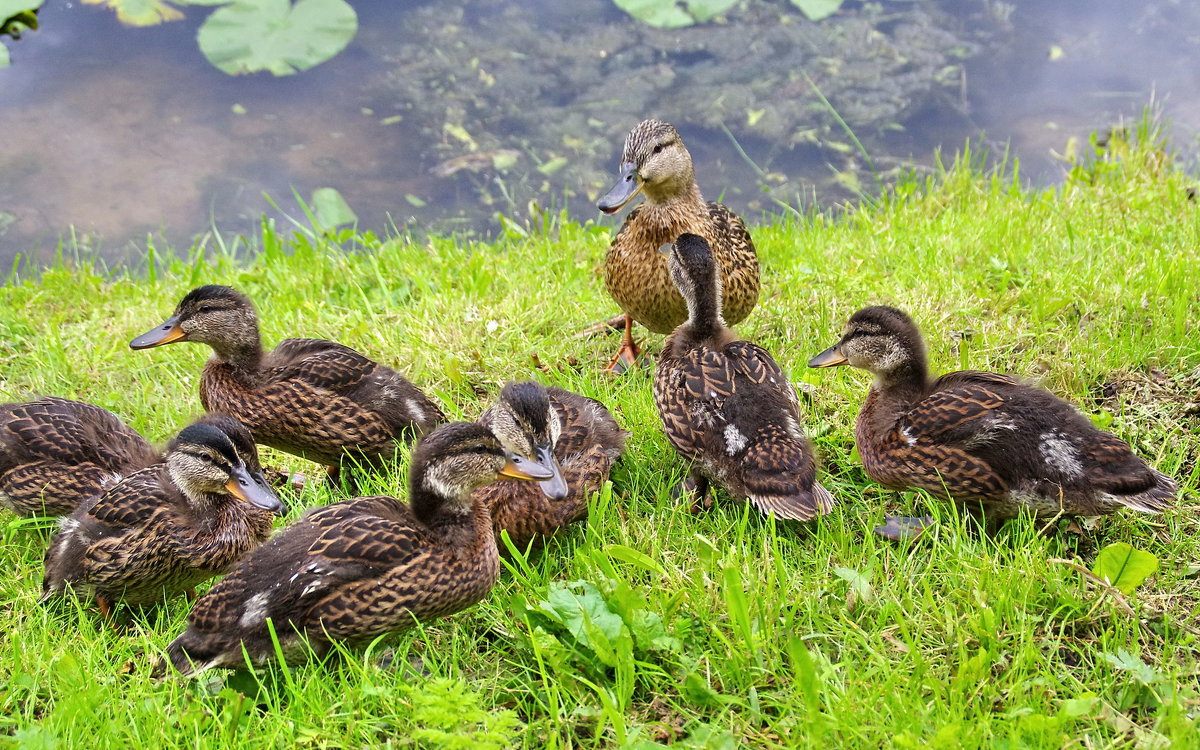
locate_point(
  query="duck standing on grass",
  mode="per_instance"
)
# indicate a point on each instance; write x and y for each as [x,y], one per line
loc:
[313,398]
[357,569]
[165,528]
[572,436]
[985,440]
[727,407]
[656,163]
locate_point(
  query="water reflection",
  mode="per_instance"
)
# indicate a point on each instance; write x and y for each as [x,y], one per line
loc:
[122,133]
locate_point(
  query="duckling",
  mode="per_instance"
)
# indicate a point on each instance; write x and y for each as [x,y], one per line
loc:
[360,568]
[656,163]
[984,440]
[313,398]
[56,453]
[572,436]
[727,407]
[165,528]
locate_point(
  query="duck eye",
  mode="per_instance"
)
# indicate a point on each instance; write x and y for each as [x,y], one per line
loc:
[858,331]
[658,148]
[205,308]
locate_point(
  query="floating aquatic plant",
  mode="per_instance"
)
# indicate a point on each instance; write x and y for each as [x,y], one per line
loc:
[248,36]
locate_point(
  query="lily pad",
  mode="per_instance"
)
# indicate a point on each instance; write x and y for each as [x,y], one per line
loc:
[330,209]
[141,12]
[670,14]
[1124,567]
[249,36]
[817,9]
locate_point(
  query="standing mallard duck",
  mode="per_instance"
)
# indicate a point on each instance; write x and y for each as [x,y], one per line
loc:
[726,405]
[656,163]
[56,453]
[364,567]
[574,437]
[985,440]
[313,398]
[168,527]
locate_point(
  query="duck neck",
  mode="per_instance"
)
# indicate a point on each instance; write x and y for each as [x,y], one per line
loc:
[905,383]
[242,353]
[704,311]
[673,193]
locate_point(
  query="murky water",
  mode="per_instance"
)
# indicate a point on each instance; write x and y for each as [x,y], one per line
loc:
[112,134]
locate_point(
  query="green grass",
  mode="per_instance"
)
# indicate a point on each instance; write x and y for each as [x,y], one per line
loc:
[705,630]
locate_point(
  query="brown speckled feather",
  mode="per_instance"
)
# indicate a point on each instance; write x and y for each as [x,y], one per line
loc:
[985,439]
[55,453]
[141,542]
[732,412]
[318,399]
[589,443]
[360,568]
[636,273]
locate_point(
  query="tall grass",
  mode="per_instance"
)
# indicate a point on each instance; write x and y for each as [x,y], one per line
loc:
[649,625]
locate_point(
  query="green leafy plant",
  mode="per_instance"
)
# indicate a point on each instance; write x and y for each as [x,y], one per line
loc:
[1124,567]
[674,14]
[249,36]
[16,17]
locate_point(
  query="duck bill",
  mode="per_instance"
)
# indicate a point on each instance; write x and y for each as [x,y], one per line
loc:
[555,487]
[166,333]
[519,468]
[244,486]
[831,357]
[627,186]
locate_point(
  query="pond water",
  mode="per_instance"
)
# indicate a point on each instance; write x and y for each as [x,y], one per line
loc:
[443,113]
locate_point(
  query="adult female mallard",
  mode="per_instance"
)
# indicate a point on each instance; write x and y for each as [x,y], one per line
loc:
[572,436]
[163,529]
[726,405]
[985,440]
[313,398]
[657,164]
[56,453]
[358,569]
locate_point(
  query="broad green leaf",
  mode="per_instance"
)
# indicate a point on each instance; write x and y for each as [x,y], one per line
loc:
[817,9]
[141,12]
[330,209]
[249,36]
[1124,567]
[10,8]
[860,583]
[632,556]
[570,609]
[664,14]
[702,10]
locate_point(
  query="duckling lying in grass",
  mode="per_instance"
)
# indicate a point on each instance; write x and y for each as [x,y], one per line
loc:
[55,453]
[655,162]
[572,436]
[985,440]
[364,567]
[727,407]
[163,529]
[313,398]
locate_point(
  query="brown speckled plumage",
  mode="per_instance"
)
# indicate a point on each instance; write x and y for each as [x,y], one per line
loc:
[309,397]
[656,163]
[56,453]
[360,568]
[585,441]
[982,438]
[728,408]
[167,527]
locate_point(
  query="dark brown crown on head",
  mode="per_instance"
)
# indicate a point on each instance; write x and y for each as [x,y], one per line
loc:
[648,137]
[530,404]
